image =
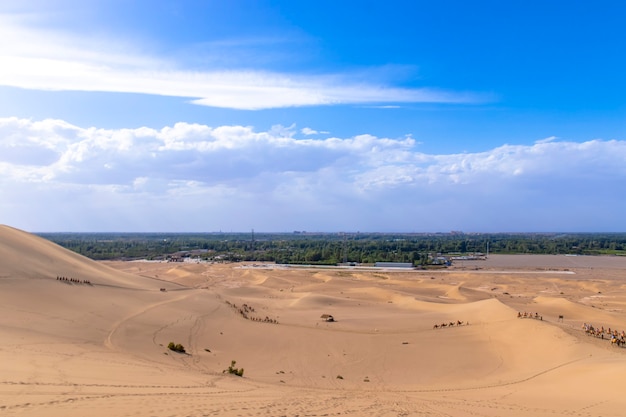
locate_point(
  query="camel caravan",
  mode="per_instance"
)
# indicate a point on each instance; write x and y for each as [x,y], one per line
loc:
[526,315]
[617,338]
[73,280]
[246,312]
[450,324]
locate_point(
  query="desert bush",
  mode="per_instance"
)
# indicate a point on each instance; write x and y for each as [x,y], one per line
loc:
[232,370]
[176,347]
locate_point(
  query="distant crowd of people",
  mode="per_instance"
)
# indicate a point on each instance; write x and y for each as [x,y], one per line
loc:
[73,280]
[617,338]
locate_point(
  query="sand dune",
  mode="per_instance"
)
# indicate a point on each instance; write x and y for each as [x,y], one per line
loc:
[100,349]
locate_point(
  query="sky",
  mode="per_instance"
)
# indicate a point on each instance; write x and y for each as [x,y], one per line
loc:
[325,116]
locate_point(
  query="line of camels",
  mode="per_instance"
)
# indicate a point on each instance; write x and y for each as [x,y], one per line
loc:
[617,338]
[450,324]
[246,312]
[73,280]
[525,315]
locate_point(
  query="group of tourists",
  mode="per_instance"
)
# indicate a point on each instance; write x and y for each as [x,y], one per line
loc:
[73,280]
[616,338]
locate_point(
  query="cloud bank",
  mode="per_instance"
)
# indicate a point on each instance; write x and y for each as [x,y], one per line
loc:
[39,59]
[190,177]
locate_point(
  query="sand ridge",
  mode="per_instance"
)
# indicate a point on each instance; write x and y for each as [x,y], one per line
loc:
[73,349]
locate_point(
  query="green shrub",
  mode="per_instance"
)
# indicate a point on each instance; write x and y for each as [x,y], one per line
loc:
[232,370]
[176,347]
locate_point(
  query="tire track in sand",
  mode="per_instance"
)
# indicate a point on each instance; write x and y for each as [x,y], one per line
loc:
[108,341]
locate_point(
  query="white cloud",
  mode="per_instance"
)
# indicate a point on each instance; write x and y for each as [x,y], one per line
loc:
[547,140]
[56,176]
[51,60]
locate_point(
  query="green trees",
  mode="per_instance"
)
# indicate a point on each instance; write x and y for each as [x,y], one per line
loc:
[331,248]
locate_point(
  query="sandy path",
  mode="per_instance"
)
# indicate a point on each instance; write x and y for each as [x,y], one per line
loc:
[108,342]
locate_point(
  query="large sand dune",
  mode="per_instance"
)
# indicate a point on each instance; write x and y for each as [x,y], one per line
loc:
[72,348]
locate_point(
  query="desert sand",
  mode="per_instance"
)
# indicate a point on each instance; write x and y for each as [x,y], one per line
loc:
[85,338]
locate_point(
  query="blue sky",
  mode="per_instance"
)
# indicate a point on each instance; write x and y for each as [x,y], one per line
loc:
[401,116]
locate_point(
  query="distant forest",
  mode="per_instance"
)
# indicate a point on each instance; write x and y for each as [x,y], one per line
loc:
[331,248]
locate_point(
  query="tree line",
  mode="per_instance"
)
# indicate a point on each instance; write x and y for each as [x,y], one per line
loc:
[331,248]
